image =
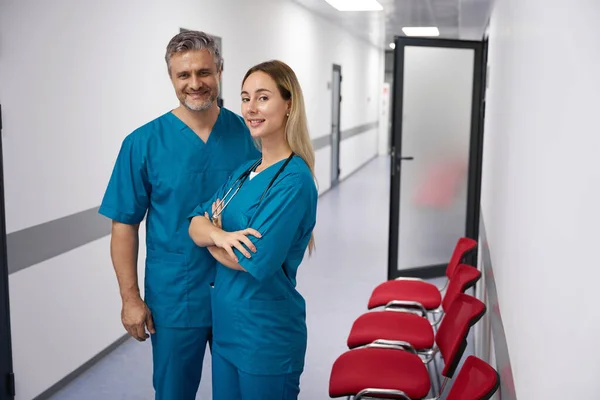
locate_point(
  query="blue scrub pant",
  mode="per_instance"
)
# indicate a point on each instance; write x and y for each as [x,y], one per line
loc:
[229,383]
[177,354]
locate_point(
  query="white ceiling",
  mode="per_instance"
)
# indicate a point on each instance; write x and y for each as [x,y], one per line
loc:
[456,19]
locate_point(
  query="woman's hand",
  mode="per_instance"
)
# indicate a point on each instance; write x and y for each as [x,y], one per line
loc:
[228,240]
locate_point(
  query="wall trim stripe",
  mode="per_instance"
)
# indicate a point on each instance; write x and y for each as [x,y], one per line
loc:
[38,243]
[324,141]
[507,387]
[348,133]
[33,245]
[321,142]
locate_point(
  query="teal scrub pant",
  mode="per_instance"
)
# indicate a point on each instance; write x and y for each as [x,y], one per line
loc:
[177,355]
[229,383]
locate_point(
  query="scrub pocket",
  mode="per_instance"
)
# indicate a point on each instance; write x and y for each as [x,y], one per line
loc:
[166,286]
[224,320]
[268,339]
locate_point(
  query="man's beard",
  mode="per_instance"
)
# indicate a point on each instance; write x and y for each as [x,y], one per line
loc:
[204,105]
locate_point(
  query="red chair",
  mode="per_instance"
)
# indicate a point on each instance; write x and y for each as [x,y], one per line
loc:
[415,292]
[394,368]
[475,381]
[391,324]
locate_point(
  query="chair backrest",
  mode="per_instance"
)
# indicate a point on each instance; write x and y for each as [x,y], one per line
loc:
[463,247]
[475,381]
[465,276]
[451,338]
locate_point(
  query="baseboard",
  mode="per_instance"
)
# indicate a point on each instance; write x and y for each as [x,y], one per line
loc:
[79,371]
[429,272]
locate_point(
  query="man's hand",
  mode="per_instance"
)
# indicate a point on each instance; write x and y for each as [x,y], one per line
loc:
[136,317]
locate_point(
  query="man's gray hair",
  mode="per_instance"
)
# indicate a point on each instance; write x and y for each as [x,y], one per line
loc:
[193,40]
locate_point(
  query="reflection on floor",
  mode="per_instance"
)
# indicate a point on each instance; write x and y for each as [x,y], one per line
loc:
[350,260]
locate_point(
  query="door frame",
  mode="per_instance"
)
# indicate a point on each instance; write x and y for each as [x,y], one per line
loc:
[335,145]
[7,383]
[475,150]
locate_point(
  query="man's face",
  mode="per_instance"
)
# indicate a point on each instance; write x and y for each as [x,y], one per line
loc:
[195,79]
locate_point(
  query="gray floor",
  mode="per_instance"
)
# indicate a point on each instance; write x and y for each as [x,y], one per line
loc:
[350,260]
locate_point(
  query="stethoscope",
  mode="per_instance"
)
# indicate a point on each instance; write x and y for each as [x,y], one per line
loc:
[240,182]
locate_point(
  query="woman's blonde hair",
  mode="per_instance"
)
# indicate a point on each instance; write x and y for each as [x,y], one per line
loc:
[296,127]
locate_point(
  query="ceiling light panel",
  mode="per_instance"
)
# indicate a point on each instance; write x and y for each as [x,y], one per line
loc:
[421,31]
[355,5]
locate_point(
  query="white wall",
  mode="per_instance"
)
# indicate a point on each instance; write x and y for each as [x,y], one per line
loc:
[356,151]
[541,192]
[77,77]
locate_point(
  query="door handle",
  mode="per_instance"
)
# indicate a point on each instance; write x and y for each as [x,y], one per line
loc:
[407,158]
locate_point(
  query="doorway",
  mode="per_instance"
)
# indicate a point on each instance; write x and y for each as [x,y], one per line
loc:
[7,382]
[336,99]
[437,138]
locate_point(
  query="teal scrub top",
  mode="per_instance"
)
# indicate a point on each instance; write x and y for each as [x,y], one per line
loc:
[259,318]
[164,169]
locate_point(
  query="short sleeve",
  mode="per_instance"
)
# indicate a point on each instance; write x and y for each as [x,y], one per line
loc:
[127,195]
[207,205]
[281,216]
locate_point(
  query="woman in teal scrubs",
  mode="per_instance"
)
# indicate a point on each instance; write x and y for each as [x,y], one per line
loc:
[258,227]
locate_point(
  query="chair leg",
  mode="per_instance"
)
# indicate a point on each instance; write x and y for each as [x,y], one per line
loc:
[437,376]
[433,390]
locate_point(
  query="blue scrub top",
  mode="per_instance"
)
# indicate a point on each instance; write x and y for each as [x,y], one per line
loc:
[259,318]
[165,169]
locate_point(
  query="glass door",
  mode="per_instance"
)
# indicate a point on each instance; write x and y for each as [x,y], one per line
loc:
[436,151]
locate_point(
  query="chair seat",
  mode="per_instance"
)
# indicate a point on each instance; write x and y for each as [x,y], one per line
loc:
[391,325]
[377,368]
[422,292]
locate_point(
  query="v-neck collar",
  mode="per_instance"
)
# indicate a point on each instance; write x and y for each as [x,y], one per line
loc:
[269,172]
[270,167]
[186,130]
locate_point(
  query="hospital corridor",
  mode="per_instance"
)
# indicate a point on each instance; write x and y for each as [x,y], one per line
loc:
[299,199]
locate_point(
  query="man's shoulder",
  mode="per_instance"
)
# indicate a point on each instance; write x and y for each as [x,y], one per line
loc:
[155,126]
[152,128]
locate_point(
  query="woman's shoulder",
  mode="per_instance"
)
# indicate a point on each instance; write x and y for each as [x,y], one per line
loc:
[299,174]
[298,166]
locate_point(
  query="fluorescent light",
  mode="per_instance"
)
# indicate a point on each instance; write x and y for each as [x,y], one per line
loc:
[355,5]
[421,31]
[392,45]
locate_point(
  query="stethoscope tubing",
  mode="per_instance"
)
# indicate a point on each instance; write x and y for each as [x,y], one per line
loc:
[242,179]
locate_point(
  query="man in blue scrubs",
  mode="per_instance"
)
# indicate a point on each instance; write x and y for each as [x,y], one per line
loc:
[163,171]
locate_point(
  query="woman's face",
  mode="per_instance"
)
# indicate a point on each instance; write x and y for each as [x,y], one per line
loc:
[263,108]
